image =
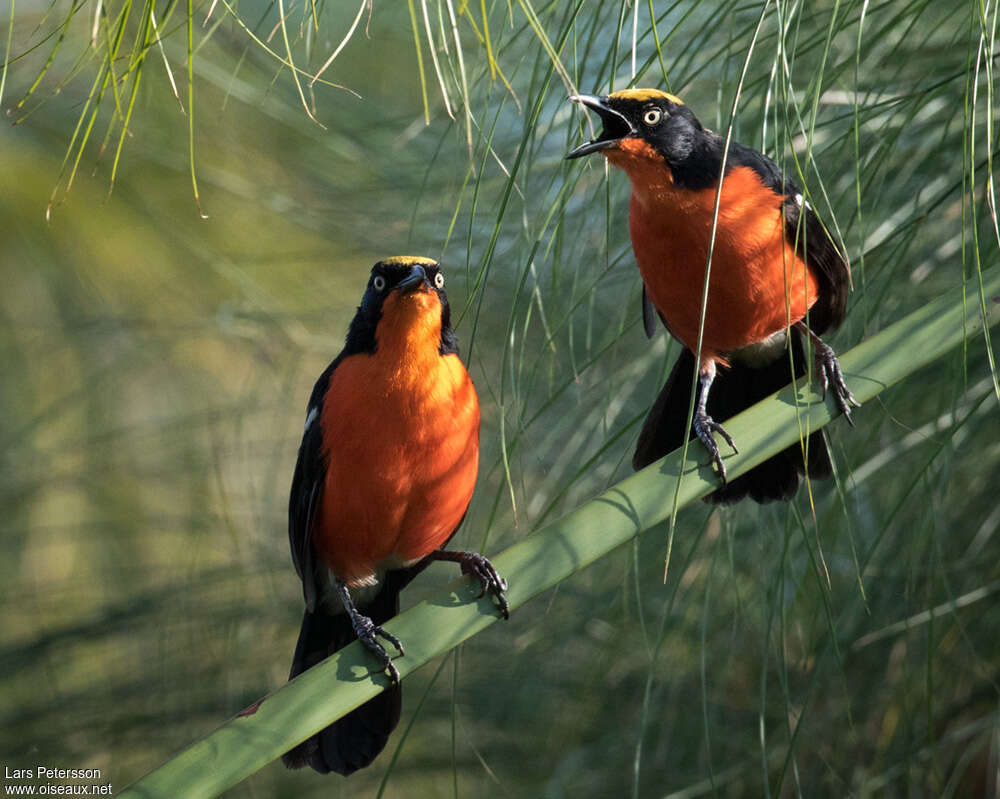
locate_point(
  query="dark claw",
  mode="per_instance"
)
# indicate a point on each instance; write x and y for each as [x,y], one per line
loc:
[368,634]
[829,369]
[479,567]
[704,426]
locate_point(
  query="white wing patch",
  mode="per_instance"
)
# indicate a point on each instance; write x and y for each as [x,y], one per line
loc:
[311,417]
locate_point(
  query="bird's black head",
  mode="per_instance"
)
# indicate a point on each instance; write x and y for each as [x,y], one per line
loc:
[405,298]
[643,124]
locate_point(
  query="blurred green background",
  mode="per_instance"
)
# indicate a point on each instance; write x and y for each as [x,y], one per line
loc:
[157,366]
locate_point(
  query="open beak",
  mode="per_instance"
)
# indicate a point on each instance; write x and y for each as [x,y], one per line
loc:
[416,278]
[616,126]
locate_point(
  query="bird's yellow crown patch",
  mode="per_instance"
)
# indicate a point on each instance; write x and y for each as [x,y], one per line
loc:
[409,260]
[641,95]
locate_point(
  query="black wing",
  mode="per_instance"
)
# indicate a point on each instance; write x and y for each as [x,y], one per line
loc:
[307,492]
[811,239]
[813,243]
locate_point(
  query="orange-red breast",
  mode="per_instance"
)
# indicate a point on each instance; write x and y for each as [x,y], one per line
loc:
[774,270]
[385,474]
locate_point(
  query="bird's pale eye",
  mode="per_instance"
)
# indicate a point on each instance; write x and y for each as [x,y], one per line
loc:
[652,117]
[439,280]
[378,283]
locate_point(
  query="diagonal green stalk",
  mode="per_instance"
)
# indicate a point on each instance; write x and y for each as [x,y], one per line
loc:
[63,28]
[327,691]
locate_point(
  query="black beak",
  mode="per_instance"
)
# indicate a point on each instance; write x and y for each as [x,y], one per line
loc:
[414,279]
[616,126]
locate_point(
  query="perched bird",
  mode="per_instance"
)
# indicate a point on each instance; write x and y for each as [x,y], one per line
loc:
[775,271]
[384,477]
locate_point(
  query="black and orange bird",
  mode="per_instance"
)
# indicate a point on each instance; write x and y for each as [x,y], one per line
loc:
[384,477]
[776,277]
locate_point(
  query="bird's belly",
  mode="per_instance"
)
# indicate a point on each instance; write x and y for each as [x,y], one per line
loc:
[757,285]
[397,488]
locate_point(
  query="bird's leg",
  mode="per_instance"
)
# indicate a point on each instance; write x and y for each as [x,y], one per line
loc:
[479,567]
[704,425]
[368,633]
[829,370]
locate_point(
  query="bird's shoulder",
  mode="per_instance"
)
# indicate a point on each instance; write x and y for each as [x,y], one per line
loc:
[770,174]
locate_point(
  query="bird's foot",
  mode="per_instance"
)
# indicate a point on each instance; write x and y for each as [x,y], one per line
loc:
[368,634]
[704,425]
[489,580]
[478,566]
[830,374]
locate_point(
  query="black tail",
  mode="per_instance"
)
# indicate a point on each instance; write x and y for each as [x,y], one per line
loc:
[733,390]
[355,740]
